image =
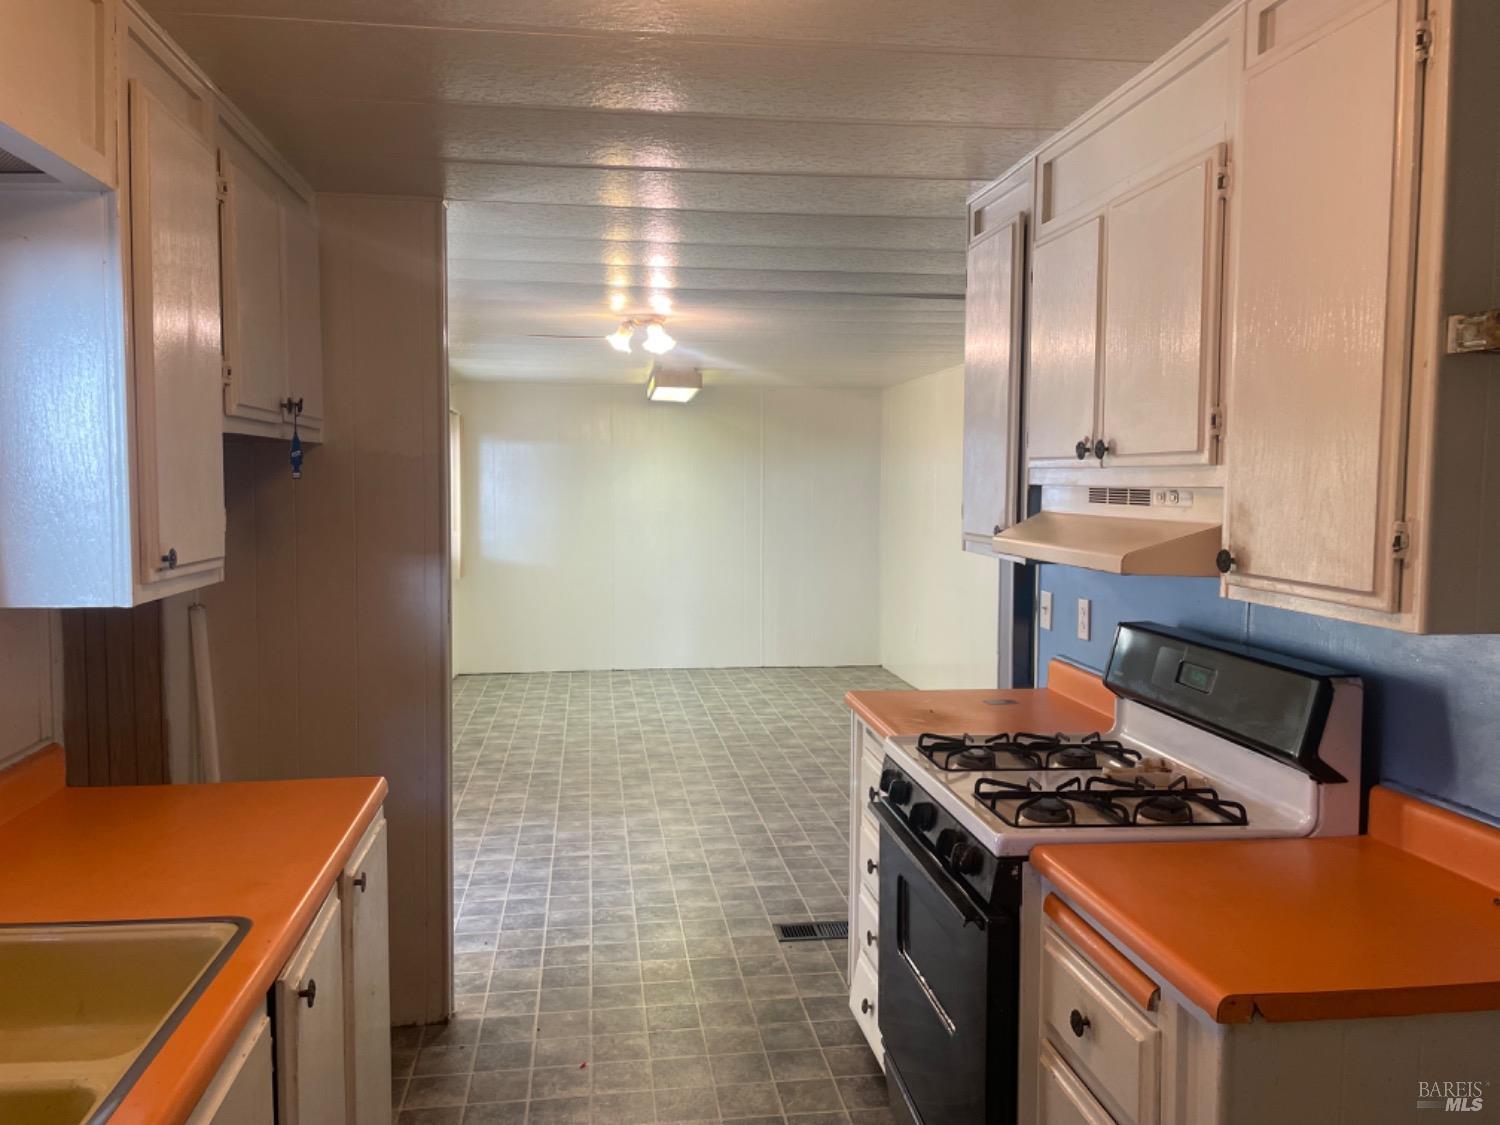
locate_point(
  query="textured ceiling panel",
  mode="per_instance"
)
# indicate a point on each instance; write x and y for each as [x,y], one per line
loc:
[786,176]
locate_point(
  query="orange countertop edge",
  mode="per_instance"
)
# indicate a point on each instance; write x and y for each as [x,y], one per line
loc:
[269,851]
[1074,701]
[1403,921]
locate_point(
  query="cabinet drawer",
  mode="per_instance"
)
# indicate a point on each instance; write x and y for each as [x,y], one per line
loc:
[1106,1038]
[1062,1098]
[867,931]
[870,744]
[869,776]
[869,857]
[863,996]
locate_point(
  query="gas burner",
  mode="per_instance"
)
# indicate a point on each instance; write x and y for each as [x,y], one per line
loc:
[973,758]
[1165,808]
[1074,758]
[1046,810]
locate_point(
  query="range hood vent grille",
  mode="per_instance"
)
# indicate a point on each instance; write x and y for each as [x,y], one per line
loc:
[1123,497]
[13,165]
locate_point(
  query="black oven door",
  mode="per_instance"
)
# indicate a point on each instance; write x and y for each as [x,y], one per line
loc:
[943,956]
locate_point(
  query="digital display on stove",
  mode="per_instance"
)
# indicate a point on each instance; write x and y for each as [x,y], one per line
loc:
[1196,676]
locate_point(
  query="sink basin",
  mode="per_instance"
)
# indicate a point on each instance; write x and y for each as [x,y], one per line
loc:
[87,1005]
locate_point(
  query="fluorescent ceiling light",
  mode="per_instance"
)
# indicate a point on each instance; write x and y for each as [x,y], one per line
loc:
[657,341]
[666,385]
[619,339]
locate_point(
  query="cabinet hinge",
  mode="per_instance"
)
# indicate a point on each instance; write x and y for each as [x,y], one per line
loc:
[1216,422]
[1400,539]
[223,188]
[1221,182]
[228,373]
[1474,332]
[1424,40]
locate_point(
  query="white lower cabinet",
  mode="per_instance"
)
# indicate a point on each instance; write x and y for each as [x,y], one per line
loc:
[367,995]
[242,1092]
[865,757]
[308,1001]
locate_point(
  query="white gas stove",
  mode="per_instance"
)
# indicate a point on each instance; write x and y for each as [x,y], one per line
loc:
[1209,741]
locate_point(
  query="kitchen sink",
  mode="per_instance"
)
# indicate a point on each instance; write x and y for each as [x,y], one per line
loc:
[88,1004]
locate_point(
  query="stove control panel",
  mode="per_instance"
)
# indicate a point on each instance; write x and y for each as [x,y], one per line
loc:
[939,832]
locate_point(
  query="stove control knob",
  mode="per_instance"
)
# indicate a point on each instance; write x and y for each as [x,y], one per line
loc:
[923,816]
[967,859]
[896,788]
[948,841]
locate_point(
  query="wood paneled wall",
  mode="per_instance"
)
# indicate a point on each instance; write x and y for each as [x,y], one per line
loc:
[330,633]
[113,728]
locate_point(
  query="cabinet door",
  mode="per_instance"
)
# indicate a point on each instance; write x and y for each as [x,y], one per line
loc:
[174,235]
[255,353]
[1064,344]
[1320,294]
[367,976]
[309,999]
[1161,312]
[302,299]
[243,1092]
[992,379]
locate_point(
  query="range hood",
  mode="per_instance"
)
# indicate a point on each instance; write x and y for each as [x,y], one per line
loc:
[1134,534]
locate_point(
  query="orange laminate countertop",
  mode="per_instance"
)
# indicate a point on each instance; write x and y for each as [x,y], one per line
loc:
[267,851]
[1074,702]
[1329,928]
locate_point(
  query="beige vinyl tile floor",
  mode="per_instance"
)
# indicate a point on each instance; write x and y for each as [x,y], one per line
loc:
[623,842]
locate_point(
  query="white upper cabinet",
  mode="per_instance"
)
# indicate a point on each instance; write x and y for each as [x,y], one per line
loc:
[273,350]
[175,303]
[1159,370]
[58,93]
[1124,354]
[1060,380]
[994,327]
[1321,298]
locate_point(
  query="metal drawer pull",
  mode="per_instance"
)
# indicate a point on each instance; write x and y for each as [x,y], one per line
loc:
[866,1007]
[869,937]
[310,993]
[1078,1022]
[870,866]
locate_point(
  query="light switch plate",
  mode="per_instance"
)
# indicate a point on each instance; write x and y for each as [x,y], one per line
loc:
[1083,619]
[1044,615]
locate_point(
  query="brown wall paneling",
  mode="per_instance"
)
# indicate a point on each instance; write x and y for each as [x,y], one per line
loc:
[113,726]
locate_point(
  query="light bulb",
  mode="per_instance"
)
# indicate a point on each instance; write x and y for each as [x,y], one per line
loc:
[619,339]
[657,341]
[661,304]
[617,302]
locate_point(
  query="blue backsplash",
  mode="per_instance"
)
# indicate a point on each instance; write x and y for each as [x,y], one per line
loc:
[1432,710]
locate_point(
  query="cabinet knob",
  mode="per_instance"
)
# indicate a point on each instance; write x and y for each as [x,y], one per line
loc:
[1078,1022]
[1101,447]
[1082,449]
[362,882]
[869,937]
[169,560]
[1224,561]
[998,529]
[866,1007]
[870,866]
[310,993]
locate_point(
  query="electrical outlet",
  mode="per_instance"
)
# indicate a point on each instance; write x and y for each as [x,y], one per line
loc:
[1083,619]
[1044,616]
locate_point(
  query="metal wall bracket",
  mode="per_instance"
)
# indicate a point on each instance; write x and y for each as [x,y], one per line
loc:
[1476,332]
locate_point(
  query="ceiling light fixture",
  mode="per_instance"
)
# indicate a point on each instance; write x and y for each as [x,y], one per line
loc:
[657,341]
[619,339]
[661,304]
[617,302]
[667,385]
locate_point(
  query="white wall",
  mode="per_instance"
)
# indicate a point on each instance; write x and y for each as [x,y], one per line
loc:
[30,660]
[603,531]
[939,606]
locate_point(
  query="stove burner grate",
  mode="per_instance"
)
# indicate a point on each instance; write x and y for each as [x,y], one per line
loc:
[1024,750]
[1116,803]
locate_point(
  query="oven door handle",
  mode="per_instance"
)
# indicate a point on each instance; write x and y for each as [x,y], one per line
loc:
[959,896]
